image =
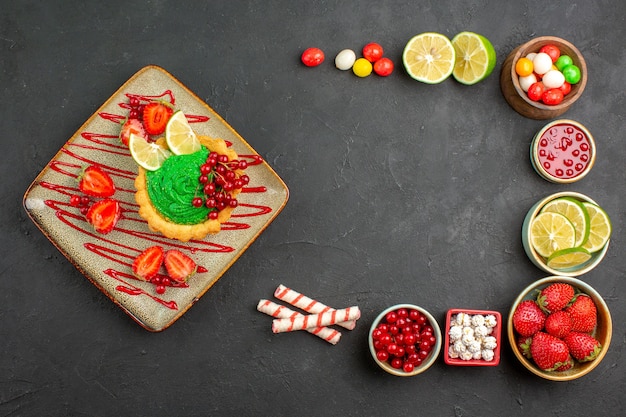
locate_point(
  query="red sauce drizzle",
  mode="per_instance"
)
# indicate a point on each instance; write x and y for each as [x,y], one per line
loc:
[124,255]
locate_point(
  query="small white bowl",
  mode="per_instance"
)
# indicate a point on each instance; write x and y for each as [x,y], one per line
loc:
[537,259]
[427,362]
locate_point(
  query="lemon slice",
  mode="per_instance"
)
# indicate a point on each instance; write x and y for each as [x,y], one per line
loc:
[568,258]
[429,57]
[179,136]
[575,212]
[550,232]
[148,155]
[475,58]
[599,228]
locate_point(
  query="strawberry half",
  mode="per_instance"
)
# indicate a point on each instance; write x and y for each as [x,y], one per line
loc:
[104,214]
[156,114]
[148,263]
[179,266]
[93,181]
[132,126]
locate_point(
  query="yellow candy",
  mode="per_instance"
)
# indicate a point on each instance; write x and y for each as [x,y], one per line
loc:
[362,67]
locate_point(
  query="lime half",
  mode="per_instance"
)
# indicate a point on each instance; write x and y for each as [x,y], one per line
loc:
[475,58]
[568,258]
[429,57]
[576,212]
[599,228]
[550,232]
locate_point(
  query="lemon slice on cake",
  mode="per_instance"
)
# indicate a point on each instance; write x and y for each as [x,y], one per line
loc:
[179,136]
[149,155]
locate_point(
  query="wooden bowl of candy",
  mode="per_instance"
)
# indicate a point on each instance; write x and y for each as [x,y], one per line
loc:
[472,337]
[559,328]
[543,78]
[405,340]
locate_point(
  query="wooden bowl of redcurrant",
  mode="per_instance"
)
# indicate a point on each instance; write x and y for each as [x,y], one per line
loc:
[543,78]
[405,340]
[559,328]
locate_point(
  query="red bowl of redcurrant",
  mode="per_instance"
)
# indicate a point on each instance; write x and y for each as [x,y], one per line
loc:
[405,340]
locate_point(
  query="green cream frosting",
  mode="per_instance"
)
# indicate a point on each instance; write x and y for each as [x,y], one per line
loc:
[173,186]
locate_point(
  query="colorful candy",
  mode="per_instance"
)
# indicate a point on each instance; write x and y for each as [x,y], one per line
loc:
[547,76]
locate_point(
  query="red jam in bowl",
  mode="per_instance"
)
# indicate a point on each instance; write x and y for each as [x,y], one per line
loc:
[563,151]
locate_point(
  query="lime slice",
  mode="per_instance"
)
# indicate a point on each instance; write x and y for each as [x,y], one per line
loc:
[575,212]
[149,155]
[568,258]
[475,58]
[179,136]
[599,229]
[429,57]
[550,232]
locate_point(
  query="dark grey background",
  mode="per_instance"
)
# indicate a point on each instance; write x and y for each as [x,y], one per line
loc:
[400,192]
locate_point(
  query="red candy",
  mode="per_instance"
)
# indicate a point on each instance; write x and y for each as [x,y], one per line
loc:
[312,57]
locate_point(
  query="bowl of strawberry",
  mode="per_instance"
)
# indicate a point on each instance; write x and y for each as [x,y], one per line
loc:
[405,340]
[559,328]
[544,77]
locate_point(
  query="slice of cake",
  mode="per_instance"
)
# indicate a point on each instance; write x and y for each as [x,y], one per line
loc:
[187,184]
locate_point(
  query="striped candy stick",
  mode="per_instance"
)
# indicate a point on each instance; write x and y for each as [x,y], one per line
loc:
[307,304]
[270,308]
[315,320]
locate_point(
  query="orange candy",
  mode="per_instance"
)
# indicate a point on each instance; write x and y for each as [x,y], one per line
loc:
[524,67]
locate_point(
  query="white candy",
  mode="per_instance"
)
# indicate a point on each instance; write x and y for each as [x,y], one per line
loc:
[456,332]
[478,320]
[466,356]
[553,79]
[490,320]
[542,63]
[459,347]
[453,353]
[531,55]
[345,59]
[527,81]
[481,331]
[490,342]
[474,346]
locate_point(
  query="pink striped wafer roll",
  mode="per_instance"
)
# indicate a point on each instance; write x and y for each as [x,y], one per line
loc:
[307,304]
[315,320]
[270,308]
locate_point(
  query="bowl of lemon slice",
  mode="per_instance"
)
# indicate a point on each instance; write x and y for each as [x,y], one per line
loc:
[566,234]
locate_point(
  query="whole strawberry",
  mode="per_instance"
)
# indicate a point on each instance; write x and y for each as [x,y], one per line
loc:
[583,313]
[558,324]
[528,318]
[549,353]
[555,297]
[523,344]
[583,347]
